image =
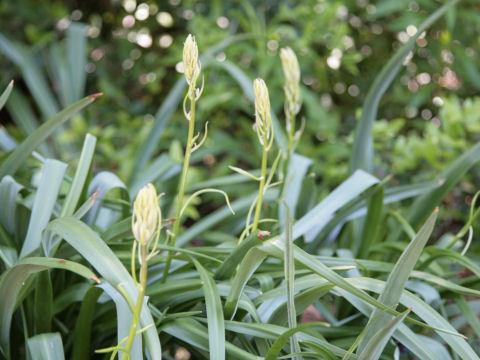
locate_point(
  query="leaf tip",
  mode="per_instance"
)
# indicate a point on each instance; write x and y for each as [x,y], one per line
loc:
[11,83]
[262,233]
[436,210]
[95,96]
[95,194]
[96,279]
[441,181]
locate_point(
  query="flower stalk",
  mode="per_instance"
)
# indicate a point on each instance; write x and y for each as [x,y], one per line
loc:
[264,129]
[146,226]
[192,69]
[293,103]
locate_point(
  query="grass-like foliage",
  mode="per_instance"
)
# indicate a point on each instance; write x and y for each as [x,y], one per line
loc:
[93,268]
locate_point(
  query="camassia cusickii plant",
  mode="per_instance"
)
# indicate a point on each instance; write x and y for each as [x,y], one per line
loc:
[277,273]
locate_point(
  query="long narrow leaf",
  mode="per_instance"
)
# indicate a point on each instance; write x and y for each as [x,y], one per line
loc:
[422,310]
[45,199]
[216,326]
[83,327]
[99,255]
[398,278]
[21,153]
[289,269]
[6,94]
[77,58]
[376,344]
[12,282]
[46,347]
[319,216]
[247,267]
[32,75]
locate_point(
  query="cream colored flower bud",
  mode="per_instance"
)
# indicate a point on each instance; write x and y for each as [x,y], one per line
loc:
[291,70]
[263,118]
[262,99]
[191,65]
[147,216]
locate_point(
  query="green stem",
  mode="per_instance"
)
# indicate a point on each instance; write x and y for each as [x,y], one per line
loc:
[138,307]
[181,186]
[260,191]
[290,149]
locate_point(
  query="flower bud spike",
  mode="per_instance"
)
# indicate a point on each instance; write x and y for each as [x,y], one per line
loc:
[147,216]
[191,66]
[291,71]
[263,118]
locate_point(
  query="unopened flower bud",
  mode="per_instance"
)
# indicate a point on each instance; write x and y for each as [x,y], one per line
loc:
[191,65]
[291,70]
[147,216]
[263,118]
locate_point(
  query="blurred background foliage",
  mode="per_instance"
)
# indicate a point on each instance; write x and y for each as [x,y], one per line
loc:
[132,53]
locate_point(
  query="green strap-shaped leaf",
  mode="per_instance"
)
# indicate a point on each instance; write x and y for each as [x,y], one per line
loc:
[83,327]
[276,247]
[12,282]
[293,184]
[424,311]
[230,263]
[83,168]
[289,270]
[43,303]
[398,278]
[9,190]
[282,339]
[77,58]
[301,301]
[321,214]
[216,326]
[99,255]
[376,344]
[247,267]
[46,347]
[6,94]
[195,334]
[371,226]
[102,183]
[45,199]
[33,76]
[11,164]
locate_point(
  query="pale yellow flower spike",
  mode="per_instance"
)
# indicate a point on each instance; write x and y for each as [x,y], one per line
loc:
[191,65]
[291,70]
[147,216]
[263,118]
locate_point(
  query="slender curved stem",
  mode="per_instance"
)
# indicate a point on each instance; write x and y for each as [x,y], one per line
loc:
[290,149]
[181,185]
[261,190]
[138,308]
